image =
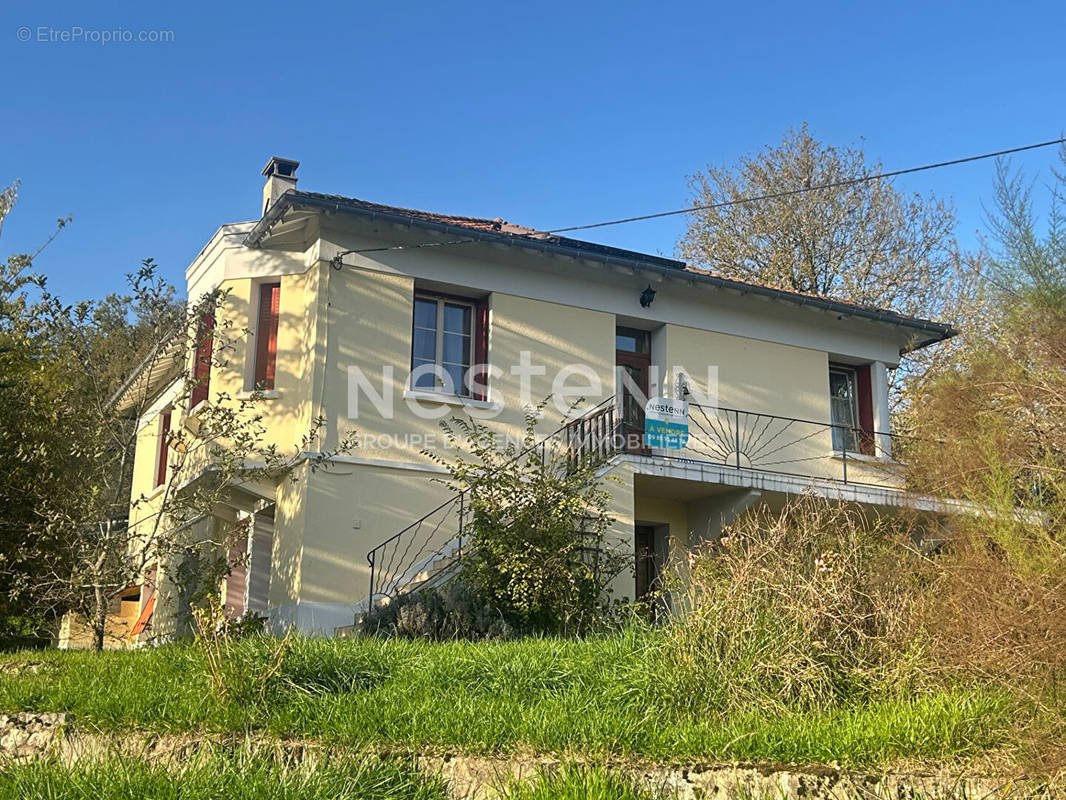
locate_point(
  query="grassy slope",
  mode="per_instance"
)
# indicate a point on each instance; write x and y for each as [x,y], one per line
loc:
[592,697]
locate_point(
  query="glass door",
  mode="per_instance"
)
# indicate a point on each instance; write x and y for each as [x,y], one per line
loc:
[633,363]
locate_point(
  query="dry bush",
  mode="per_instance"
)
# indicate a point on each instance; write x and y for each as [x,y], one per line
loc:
[996,615]
[997,608]
[242,664]
[812,605]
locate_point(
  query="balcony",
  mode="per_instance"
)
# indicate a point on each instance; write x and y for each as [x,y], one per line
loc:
[748,449]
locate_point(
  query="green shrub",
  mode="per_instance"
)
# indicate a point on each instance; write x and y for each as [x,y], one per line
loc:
[538,528]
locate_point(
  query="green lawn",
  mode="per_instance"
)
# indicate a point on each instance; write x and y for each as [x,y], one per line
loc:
[593,697]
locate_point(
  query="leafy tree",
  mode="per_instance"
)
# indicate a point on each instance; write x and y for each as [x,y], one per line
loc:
[67,543]
[32,420]
[105,543]
[867,242]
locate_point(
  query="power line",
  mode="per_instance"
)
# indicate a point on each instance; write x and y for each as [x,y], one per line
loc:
[805,189]
[727,203]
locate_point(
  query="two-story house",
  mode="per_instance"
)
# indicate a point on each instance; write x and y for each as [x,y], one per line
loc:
[382,320]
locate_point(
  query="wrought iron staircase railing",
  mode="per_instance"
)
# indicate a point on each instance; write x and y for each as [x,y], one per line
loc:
[431,547]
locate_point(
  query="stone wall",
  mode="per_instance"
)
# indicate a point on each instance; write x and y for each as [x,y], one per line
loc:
[28,736]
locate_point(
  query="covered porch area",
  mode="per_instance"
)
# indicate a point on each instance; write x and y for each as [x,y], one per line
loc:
[679,504]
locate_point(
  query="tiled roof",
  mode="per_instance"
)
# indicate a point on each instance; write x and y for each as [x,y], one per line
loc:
[474,223]
[499,227]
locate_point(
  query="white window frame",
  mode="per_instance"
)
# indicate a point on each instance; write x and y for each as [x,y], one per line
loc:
[438,357]
[850,432]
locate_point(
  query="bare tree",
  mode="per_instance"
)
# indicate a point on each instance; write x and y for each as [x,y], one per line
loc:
[868,242]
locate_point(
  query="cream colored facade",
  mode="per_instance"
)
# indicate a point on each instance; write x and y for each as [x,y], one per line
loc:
[555,306]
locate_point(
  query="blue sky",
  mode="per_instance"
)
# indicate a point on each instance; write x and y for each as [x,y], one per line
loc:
[543,114]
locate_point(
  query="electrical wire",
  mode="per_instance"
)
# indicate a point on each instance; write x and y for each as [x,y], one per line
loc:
[727,203]
[805,189]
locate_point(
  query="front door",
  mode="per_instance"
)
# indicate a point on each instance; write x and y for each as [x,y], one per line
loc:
[649,546]
[633,360]
[647,572]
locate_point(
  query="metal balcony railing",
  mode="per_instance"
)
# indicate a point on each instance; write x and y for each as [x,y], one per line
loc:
[750,440]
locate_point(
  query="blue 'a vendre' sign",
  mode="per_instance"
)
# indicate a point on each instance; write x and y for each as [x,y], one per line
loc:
[666,423]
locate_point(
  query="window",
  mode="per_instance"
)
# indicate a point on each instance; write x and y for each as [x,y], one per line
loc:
[450,335]
[164,448]
[631,340]
[851,409]
[266,333]
[201,371]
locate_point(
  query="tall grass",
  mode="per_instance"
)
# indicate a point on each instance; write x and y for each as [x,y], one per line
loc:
[581,783]
[801,636]
[803,609]
[246,775]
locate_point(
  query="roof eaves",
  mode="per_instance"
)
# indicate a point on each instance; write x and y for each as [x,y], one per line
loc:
[576,248]
[544,242]
[939,330]
[167,354]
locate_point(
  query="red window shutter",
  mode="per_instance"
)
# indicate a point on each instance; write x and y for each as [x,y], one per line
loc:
[145,617]
[164,448]
[481,348]
[202,365]
[147,602]
[865,399]
[266,345]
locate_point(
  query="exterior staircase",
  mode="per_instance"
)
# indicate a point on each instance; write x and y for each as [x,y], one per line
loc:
[429,551]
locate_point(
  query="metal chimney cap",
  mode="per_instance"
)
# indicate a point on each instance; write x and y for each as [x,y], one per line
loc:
[282,167]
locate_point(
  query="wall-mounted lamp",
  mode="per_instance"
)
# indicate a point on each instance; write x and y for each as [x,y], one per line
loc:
[647,296]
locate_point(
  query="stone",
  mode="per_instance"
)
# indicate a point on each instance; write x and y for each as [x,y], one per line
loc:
[29,735]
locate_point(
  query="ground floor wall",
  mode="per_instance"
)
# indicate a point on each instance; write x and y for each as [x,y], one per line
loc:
[328,521]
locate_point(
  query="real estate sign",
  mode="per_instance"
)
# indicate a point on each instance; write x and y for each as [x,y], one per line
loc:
[666,423]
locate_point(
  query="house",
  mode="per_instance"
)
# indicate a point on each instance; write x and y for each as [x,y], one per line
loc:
[381,320]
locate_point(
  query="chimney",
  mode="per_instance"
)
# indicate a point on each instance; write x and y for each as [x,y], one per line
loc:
[280,177]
